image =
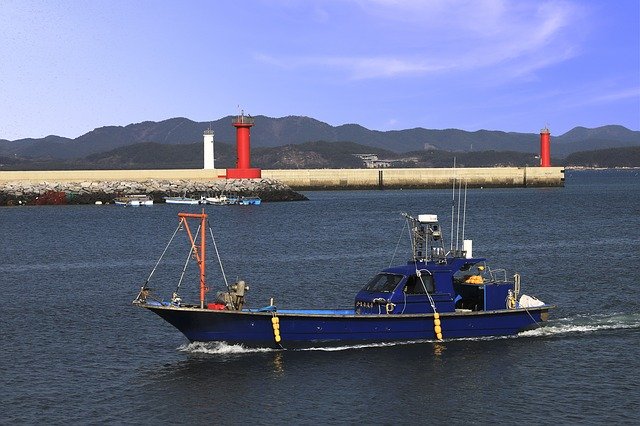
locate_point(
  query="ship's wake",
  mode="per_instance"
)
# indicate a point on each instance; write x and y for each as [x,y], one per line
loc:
[586,324]
[362,346]
[220,348]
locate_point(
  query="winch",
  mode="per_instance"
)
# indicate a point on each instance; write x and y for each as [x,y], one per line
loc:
[233,299]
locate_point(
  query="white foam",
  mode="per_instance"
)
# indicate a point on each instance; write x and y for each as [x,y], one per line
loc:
[223,348]
[219,348]
[364,345]
[586,324]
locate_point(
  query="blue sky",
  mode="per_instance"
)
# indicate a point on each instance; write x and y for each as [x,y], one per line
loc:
[67,67]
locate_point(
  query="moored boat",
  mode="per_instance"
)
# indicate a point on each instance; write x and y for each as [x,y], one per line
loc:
[436,295]
[224,200]
[249,201]
[134,200]
[218,200]
[181,200]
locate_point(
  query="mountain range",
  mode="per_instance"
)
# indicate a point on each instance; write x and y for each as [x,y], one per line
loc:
[297,130]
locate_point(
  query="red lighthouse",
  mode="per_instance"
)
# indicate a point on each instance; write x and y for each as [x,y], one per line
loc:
[243,168]
[545,148]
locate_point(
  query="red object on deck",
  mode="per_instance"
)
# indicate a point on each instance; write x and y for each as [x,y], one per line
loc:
[545,148]
[215,306]
[243,168]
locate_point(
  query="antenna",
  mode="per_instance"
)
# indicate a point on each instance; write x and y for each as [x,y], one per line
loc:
[464,210]
[458,218]
[453,200]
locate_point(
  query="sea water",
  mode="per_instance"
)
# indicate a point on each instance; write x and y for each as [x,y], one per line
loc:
[74,350]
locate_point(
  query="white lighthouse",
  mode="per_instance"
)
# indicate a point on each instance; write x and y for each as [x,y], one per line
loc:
[208,149]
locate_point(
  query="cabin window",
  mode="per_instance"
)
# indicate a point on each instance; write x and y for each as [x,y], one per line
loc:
[385,283]
[415,286]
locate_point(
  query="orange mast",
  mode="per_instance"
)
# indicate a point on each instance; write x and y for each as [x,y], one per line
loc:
[200,251]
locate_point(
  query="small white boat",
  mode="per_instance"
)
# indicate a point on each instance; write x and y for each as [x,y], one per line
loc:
[223,200]
[218,200]
[181,200]
[134,200]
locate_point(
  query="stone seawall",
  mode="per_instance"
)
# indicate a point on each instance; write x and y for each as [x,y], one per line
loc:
[26,192]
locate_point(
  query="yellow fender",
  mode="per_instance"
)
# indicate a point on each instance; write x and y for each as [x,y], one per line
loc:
[275,322]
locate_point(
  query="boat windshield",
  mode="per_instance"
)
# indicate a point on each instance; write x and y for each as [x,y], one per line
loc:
[422,285]
[385,283]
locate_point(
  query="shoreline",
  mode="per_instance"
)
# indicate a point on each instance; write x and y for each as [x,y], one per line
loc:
[90,186]
[15,193]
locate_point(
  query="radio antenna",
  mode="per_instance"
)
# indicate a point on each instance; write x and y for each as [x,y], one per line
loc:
[453,200]
[458,218]
[464,210]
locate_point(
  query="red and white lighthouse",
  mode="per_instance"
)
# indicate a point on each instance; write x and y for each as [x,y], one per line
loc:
[243,169]
[545,148]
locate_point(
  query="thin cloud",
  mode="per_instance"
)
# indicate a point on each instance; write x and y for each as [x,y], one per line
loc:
[631,93]
[358,67]
[373,67]
[597,93]
[456,36]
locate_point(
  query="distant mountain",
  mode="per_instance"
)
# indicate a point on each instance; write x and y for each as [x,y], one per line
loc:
[47,147]
[296,130]
[152,155]
[149,155]
[583,139]
[612,157]
[578,134]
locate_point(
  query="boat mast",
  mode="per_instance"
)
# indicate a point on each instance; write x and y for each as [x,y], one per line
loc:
[200,251]
[425,236]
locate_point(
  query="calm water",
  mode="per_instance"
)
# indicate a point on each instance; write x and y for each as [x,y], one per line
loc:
[74,350]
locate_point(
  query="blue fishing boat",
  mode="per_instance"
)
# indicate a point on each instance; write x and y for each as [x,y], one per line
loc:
[438,294]
[249,201]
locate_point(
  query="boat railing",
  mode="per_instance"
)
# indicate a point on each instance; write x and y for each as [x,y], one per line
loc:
[498,275]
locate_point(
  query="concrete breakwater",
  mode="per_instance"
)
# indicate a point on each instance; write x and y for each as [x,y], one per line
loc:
[26,192]
[88,186]
[487,177]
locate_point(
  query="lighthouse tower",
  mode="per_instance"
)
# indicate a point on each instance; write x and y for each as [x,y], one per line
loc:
[545,148]
[243,170]
[208,149]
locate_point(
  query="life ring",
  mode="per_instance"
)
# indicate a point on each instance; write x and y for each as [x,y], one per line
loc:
[390,307]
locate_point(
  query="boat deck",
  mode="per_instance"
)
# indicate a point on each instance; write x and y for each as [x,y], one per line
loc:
[317,311]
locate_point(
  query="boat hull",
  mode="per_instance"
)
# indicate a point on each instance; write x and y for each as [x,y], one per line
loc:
[183,201]
[134,201]
[300,329]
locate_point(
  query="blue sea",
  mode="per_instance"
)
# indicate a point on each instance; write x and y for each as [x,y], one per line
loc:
[73,349]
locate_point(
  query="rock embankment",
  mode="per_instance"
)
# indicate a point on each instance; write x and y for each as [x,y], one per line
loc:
[90,192]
